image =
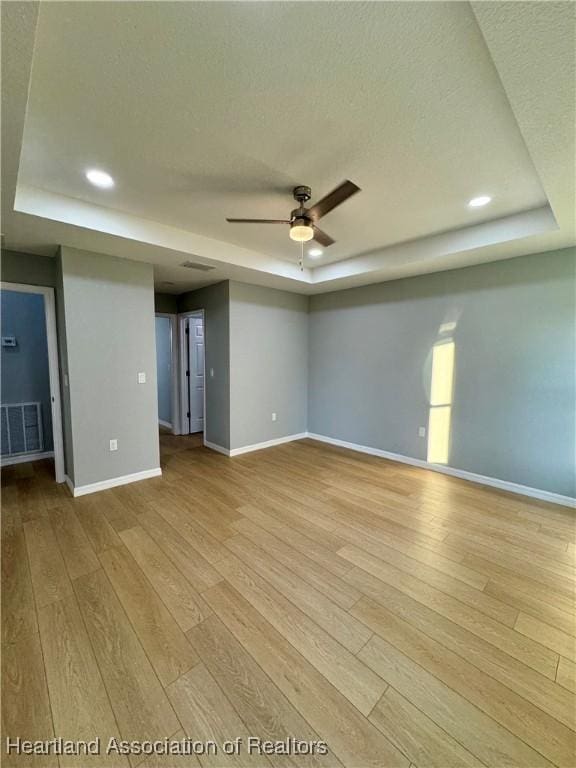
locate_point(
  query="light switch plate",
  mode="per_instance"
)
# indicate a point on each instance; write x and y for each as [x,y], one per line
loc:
[274,416]
[113,445]
[421,431]
[141,378]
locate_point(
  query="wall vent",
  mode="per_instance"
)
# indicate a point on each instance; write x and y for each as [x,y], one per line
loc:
[21,428]
[197,265]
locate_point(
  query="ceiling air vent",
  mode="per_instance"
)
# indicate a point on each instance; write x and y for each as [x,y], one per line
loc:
[196,265]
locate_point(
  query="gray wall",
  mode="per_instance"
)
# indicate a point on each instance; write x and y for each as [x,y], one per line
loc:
[27,268]
[257,344]
[513,415]
[164,368]
[268,364]
[108,312]
[369,361]
[215,301]
[25,375]
[166,303]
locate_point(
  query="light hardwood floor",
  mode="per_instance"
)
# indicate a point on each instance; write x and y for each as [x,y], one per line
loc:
[403,617]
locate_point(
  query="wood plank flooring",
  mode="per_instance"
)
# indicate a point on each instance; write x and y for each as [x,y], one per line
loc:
[405,619]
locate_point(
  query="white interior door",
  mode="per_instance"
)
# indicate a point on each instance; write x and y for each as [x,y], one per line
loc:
[196,373]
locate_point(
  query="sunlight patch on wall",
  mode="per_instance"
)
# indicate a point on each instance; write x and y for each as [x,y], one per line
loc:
[439,435]
[441,390]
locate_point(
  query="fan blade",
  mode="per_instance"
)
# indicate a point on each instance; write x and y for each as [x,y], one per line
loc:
[259,221]
[322,237]
[334,198]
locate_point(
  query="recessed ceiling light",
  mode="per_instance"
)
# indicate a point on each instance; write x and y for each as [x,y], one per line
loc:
[100,178]
[315,252]
[478,202]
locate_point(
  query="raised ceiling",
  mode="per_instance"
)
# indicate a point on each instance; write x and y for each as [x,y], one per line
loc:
[207,110]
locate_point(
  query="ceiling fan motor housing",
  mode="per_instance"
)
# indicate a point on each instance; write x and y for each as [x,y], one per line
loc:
[299,213]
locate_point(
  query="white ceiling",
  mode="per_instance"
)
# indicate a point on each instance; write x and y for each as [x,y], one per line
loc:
[207,110]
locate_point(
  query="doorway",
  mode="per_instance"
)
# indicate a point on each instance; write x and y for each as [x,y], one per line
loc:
[31,416]
[192,360]
[166,362]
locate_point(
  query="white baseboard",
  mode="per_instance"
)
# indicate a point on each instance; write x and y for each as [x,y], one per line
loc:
[255,446]
[166,424]
[24,458]
[82,490]
[215,447]
[504,485]
[267,444]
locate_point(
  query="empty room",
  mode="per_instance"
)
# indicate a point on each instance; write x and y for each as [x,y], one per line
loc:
[288,384]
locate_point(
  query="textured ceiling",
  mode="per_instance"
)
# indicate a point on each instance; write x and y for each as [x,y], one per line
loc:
[208,110]
[203,110]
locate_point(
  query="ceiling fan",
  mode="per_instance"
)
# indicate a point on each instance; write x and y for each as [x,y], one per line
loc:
[303,220]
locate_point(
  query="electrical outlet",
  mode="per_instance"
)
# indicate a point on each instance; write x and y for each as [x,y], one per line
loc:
[421,431]
[211,373]
[142,378]
[113,445]
[274,416]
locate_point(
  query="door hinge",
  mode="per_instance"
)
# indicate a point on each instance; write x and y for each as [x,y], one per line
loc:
[187,373]
[188,414]
[187,330]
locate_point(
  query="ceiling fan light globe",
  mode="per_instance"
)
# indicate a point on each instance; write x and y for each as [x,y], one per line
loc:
[301,231]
